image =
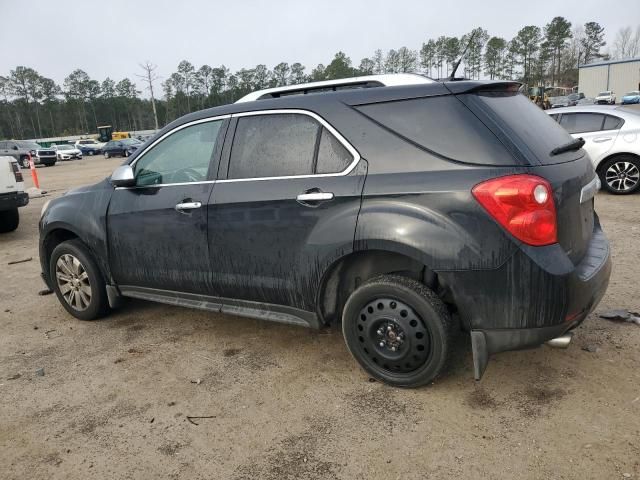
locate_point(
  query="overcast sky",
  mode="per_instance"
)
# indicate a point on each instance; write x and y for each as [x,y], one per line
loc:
[110,37]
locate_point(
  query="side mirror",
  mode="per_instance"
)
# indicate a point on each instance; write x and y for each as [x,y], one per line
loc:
[123,176]
[15,147]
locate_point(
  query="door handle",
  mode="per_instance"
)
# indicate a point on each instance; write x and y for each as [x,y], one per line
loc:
[315,197]
[601,139]
[183,207]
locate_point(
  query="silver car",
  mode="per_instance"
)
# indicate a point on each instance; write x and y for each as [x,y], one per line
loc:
[612,139]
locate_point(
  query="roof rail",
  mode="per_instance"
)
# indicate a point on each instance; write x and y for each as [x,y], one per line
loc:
[386,80]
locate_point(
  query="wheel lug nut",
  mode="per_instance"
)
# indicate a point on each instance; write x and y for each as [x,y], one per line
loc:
[393,349]
[381,344]
[389,328]
[380,331]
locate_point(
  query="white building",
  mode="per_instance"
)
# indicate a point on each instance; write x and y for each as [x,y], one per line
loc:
[620,76]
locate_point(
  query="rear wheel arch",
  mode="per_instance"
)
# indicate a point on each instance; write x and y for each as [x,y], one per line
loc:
[352,270]
[614,155]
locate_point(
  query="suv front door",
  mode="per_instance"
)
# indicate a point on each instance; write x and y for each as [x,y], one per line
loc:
[285,207]
[158,228]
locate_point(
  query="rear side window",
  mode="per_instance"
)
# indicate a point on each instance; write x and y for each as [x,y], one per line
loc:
[333,157]
[582,122]
[273,145]
[612,123]
[442,125]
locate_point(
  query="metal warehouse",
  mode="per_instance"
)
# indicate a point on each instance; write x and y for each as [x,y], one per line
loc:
[619,76]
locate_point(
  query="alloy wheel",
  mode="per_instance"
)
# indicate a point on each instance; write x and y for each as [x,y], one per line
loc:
[622,176]
[73,282]
[393,336]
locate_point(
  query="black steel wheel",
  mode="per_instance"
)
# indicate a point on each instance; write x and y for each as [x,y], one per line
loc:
[398,330]
[24,162]
[621,175]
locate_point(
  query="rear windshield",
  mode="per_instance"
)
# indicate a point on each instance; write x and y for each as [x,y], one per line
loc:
[443,126]
[517,120]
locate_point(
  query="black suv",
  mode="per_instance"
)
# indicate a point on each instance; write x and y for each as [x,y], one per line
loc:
[404,213]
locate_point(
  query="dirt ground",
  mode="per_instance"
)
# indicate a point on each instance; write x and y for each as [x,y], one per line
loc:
[284,402]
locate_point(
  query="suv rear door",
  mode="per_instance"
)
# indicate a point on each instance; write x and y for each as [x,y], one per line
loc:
[284,208]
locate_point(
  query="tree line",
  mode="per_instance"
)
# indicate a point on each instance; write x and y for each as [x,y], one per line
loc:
[34,106]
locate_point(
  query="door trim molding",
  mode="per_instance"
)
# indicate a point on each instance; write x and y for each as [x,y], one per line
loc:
[243,308]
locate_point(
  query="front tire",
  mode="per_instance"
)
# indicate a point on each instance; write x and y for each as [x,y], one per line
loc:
[621,175]
[398,330]
[9,220]
[106,154]
[77,281]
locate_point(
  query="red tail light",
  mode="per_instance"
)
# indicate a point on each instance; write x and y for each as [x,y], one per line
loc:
[523,205]
[16,171]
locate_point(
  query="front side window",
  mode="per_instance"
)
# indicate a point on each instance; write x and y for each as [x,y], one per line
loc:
[182,157]
[582,122]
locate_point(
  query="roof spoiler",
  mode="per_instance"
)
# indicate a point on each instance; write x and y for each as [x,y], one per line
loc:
[488,86]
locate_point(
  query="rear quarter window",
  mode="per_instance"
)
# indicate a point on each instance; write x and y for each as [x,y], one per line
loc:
[612,123]
[442,125]
[532,132]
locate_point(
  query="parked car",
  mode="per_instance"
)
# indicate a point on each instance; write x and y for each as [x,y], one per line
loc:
[557,102]
[21,149]
[631,97]
[606,98]
[612,139]
[67,152]
[587,101]
[574,98]
[350,206]
[124,147]
[12,194]
[89,146]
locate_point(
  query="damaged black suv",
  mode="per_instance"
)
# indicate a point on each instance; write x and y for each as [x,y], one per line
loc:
[401,208]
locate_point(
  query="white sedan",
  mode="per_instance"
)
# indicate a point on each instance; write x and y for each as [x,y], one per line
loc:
[67,152]
[612,140]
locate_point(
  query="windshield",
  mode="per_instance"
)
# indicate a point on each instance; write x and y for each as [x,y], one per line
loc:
[29,145]
[603,94]
[86,142]
[130,141]
[65,147]
[632,94]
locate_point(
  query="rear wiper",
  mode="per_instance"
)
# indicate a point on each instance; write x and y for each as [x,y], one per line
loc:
[575,144]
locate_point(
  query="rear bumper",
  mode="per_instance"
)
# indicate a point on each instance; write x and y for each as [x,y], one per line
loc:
[537,295]
[9,201]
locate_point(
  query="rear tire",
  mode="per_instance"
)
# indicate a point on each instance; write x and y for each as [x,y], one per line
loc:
[24,162]
[9,220]
[398,330]
[77,281]
[620,175]
[106,154]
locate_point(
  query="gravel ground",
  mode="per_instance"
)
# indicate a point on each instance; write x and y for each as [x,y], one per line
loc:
[290,403]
